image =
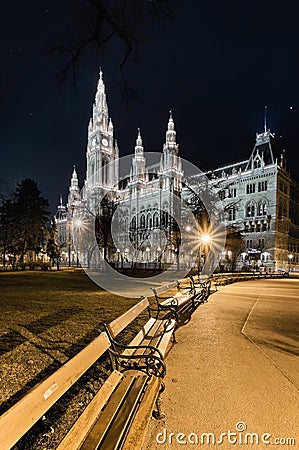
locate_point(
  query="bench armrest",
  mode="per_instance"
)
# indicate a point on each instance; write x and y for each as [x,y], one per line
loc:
[150,362]
[189,288]
[171,308]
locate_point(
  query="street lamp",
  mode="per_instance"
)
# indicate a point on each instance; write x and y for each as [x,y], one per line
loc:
[78,223]
[290,257]
[76,228]
[147,253]
[205,240]
[73,256]
[118,253]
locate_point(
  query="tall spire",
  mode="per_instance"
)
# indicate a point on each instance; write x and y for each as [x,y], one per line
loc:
[100,100]
[101,86]
[74,175]
[74,180]
[138,147]
[170,133]
[265,119]
[170,161]
[138,170]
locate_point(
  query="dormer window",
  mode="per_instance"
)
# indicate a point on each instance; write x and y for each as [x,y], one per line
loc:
[257,162]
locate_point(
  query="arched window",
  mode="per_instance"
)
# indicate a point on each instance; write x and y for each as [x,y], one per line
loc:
[104,170]
[262,209]
[232,213]
[142,221]
[164,218]
[156,219]
[149,221]
[133,223]
[250,210]
[257,163]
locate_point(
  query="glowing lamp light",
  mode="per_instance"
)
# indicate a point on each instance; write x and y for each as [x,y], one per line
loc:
[78,223]
[205,238]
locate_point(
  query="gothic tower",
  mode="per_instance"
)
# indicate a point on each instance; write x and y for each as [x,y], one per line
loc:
[74,192]
[170,164]
[102,151]
[138,171]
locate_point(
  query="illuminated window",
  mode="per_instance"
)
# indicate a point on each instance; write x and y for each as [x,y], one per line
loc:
[250,210]
[262,209]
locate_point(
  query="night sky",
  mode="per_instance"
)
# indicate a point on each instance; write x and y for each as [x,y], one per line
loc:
[215,64]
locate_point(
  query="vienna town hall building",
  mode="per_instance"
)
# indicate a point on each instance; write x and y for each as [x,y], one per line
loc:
[260,200]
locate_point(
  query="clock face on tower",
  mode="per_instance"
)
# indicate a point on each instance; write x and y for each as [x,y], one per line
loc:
[105,142]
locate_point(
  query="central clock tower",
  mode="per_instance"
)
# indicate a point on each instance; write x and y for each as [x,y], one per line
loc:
[102,151]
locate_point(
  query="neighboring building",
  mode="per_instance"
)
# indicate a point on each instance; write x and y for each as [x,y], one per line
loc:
[259,196]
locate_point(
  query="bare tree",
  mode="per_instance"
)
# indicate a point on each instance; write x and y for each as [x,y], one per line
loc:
[103,225]
[124,24]
[235,245]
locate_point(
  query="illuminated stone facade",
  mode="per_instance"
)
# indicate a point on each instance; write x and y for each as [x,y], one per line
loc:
[259,196]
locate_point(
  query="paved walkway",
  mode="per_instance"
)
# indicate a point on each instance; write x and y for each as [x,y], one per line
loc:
[235,366]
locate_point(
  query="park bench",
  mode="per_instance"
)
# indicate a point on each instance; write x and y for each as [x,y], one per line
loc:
[117,415]
[222,280]
[202,289]
[174,303]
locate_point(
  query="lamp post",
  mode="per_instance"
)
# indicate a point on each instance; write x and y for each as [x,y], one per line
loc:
[147,250]
[118,253]
[73,256]
[205,240]
[290,258]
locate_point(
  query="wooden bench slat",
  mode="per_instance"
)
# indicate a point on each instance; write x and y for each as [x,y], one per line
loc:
[120,323]
[148,339]
[140,335]
[165,287]
[158,337]
[119,411]
[138,429]
[164,342]
[24,414]
[77,434]
[126,415]
[181,299]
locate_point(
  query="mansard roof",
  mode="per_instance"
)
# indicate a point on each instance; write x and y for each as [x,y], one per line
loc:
[263,150]
[227,169]
[264,153]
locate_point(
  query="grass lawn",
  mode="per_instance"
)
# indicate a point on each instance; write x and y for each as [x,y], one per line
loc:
[45,319]
[55,297]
